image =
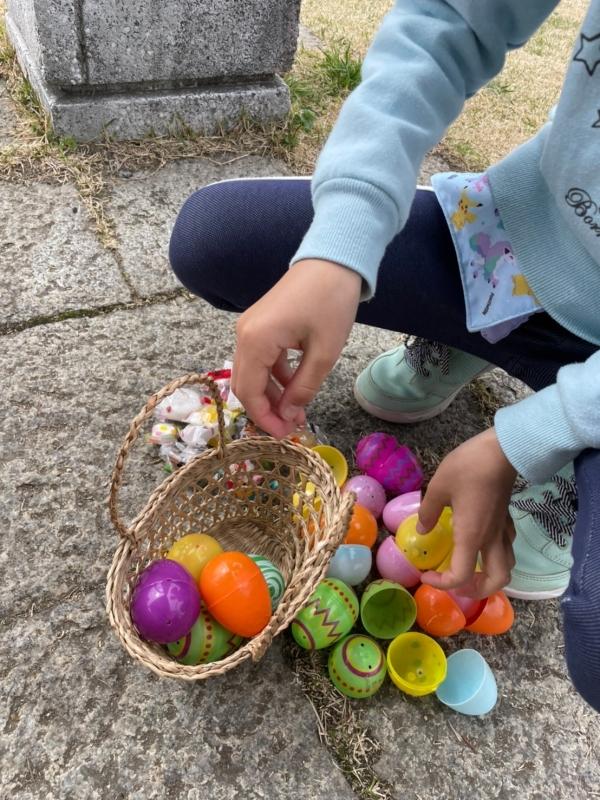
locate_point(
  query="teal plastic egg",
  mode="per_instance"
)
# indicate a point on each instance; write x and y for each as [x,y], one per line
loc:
[207,641]
[357,666]
[273,577]
[329,615]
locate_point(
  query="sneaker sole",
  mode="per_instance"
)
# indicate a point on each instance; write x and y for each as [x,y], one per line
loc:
[409,416]
[549,594]
[402,416]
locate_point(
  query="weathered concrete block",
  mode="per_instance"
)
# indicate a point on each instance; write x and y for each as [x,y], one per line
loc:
[132,69]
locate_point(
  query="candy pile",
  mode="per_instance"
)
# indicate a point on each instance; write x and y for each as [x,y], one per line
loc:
[389,606]
[201,601]
[187,424]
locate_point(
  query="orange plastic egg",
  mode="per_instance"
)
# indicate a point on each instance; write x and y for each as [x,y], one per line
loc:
[496,617]
[437,613]
[236,594]
[362,528]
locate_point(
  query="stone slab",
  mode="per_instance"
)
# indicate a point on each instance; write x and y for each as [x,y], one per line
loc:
[50,259]
[99,43]
[8,118]
[144,208]
[78,718]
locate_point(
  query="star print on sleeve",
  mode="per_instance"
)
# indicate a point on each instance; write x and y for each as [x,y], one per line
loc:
[589,52]
[597,123]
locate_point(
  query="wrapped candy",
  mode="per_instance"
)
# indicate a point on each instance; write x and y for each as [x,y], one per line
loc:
[164,433]
[179,405]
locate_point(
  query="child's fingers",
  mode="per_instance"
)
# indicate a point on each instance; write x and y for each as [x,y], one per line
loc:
[253,386]
[431,507]
[282,370]
[312,371]
[496,568]
[462,568]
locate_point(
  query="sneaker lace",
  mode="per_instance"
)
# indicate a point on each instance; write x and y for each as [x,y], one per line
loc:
[555,512]
[421,352]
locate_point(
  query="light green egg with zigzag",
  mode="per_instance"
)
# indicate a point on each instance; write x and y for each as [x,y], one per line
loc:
[273,577]
[329,615]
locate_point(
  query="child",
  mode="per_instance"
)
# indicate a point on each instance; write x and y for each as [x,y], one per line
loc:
[501,268]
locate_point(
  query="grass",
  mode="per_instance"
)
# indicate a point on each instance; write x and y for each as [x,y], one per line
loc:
[504,114]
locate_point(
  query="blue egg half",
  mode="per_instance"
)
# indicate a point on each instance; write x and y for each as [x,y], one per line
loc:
[351,563]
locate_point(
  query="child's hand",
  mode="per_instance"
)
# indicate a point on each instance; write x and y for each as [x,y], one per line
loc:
[312,309]
[476,480]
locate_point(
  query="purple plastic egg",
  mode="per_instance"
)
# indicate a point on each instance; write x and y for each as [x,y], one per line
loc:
[401,507]
[394,465]
[369,493]
[165,602]
[393,565]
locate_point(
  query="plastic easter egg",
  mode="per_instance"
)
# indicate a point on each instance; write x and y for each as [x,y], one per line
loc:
[392,464]
[273,577]
[206,642]
[336,460]
[370,494]
[329,615]
[351,563]
[470,686]
[437,612]
[357,666]
[470,607]
[426,550]
[496,617]
[387,609]
[416,663]
[194,551]
[401,507]
[236,593]
[393,564]
[362,528]
[165,602]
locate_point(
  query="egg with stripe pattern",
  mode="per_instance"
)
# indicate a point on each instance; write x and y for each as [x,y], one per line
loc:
[206,642]
[328,616]
[273,577]
[357,666]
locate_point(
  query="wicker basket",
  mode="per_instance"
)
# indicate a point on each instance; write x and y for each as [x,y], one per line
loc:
[276,515]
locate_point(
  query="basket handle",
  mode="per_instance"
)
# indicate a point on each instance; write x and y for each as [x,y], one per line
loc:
[134,431]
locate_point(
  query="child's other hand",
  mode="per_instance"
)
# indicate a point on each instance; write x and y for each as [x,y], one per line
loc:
[476,480]
[312,309]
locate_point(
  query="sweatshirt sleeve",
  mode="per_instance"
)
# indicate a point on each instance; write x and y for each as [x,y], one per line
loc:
[542,433]
[427,58]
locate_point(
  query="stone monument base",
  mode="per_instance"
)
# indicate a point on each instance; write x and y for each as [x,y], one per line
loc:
[134,112]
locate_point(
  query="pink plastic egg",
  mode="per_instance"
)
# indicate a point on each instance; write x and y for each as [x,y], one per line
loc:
[401,507]
[381,456]
[369,493]
[393,565]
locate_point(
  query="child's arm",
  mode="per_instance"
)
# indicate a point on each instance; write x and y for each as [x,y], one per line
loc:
[428,56]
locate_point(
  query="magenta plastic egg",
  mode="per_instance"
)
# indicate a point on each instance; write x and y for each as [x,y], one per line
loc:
[351,563]
[369,493]
[393,565]
[165,602]
[401,507]
[394,465]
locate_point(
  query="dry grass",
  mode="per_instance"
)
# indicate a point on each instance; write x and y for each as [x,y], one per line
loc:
[501,116]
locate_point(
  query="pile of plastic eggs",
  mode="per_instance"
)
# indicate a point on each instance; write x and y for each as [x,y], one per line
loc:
[387,501]
[201,601]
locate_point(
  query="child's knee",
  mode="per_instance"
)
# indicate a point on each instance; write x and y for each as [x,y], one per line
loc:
[581,602]
[202,240]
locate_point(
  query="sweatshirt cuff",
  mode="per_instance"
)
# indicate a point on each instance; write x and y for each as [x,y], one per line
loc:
[536,436]
[353,224]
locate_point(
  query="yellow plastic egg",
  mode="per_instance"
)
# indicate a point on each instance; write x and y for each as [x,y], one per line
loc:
[426,550]
[194,551]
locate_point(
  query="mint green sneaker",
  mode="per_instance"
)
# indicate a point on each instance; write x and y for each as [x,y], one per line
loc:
[544,519]
[415,381]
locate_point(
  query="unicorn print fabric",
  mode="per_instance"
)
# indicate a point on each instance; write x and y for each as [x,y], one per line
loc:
[497,297]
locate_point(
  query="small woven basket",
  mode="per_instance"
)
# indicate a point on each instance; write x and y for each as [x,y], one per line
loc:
[286,506]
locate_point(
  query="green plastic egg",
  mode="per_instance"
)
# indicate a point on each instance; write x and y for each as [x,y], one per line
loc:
[357,666]
[273,577]
[207,641]
[330,614]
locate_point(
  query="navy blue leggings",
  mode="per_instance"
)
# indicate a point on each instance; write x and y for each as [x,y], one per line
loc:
[233,240]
